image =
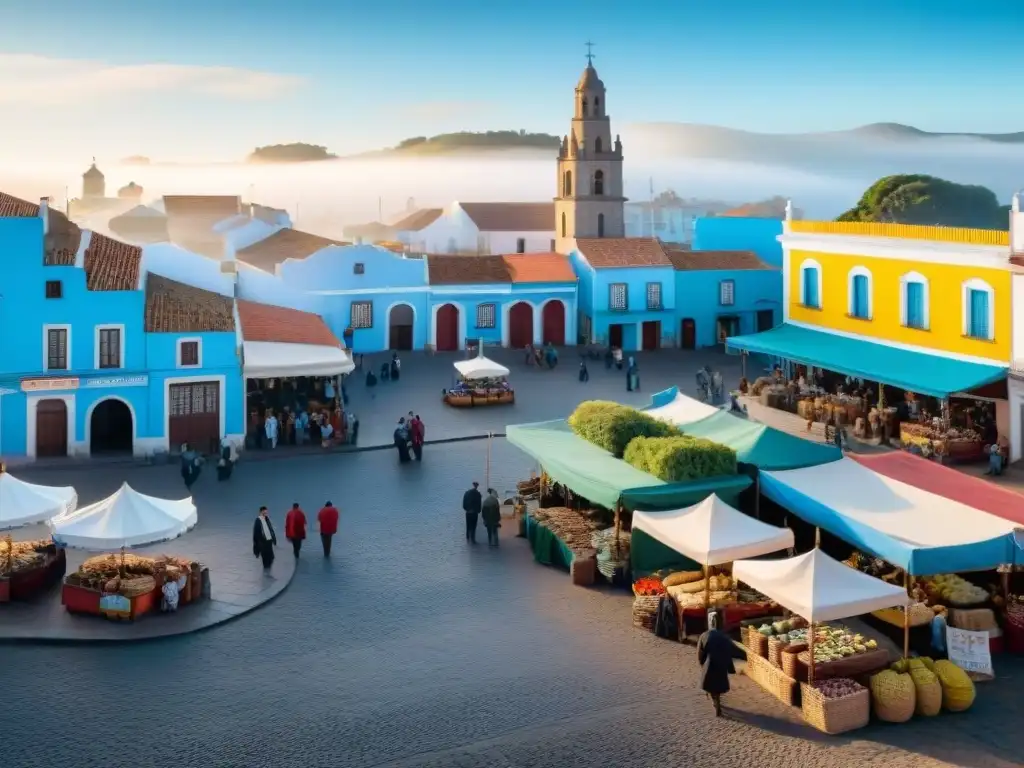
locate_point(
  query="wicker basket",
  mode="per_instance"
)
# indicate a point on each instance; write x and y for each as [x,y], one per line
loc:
[757,643]
[775,648]
[834,716]
[140,585]
[771,679]
[974,619]
[645,611]
[1015,614]
[790,661]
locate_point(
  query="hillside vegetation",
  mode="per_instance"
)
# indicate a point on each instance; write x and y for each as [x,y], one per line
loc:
[489,140]
[919,199]
[289,153]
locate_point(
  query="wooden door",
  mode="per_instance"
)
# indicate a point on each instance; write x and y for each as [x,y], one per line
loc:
[553,323]
[520,325]
[401,337]
[51,428]
[651,334]
[615,335]
[401,319]
[447,336]
[194,416]
[689,334]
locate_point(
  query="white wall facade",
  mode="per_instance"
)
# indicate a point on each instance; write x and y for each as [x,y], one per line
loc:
[455,232]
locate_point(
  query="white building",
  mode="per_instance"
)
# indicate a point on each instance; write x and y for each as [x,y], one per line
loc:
[480,228]
[1016,378]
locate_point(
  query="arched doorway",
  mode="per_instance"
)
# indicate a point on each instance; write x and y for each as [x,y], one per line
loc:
[446,335]
[111,428]
[51,428]
[520,325]
[400,323]
[553,323]
[688,334]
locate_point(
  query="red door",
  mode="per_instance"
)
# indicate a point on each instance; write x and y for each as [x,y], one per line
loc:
[520,325]
[51,428]
[615,335]
[652,334]
[447,339]
[689,334]
[553,322]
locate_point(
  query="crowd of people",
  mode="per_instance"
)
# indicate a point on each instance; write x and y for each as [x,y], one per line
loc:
[264,537]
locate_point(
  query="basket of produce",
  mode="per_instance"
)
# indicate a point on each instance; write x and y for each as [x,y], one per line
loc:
[1015,610]
[918,613]
[956,591]
[137,586]
[775,647]
[789,660]
[771,678]
[835,706]
[974,619]
[894,696]
[757,640]
[648,586]
[645,611]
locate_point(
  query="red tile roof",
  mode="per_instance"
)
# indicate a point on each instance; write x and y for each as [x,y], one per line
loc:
[62,241]
[467,270]
[539,268]
[111,265]
[417,220]
[265,322]
[173,307]
[202,205]
[615,252]
[15,208]
[511,217]
[712,260]
[283,244]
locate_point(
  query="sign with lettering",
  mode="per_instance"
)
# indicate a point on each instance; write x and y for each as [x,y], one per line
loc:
[970,651]
[48,385]
[118,381]
[115,606]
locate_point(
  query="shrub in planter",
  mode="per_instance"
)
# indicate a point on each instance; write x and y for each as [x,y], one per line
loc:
[676,459]
[612,426]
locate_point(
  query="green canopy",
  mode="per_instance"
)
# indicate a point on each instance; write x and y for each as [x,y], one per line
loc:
[595,474]
[761,445]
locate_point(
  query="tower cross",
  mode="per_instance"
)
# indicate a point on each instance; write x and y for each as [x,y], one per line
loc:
[590,53]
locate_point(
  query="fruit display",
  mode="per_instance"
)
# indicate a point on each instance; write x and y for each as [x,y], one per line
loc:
[687,600]
[830,643]
[894,696]
[957,687]
[127,573]
[720,583]
[918,613]
[17,556]
[838,687]
[950,589]
[573,528]
[648,587]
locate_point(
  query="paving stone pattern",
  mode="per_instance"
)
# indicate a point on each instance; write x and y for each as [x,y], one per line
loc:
[412,648]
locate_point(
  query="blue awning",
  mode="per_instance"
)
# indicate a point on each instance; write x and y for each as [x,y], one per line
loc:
[916,372]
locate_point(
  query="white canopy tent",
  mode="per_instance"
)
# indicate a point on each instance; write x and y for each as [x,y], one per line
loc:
[24,503]
[682,410]
[480,367]
[267,360]
[818,588]
[712,532]
[126,519]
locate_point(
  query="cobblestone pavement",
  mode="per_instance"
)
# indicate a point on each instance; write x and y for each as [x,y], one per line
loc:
[411,648]
[221,540]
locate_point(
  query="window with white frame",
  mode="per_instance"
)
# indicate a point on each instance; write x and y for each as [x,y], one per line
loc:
[727,293]
[109,347]
[190,353]
[978,310]
[485,315]
[362,314]
[810,284]
[618,297]
[654,295]
[914,301]
[57,347]
[859,293]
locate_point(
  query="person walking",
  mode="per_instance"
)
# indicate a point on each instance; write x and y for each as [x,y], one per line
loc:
[417,432]
[190,463]
[295,527]
[715,652]
[271,428]
[584,373]
[471,502]
[396,367]
[263,538]
[490,510]
[327,520]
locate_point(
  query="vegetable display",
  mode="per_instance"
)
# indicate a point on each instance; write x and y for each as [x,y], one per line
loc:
[830,643]
[573,528]
[954,590]
[648,587]
[838,687]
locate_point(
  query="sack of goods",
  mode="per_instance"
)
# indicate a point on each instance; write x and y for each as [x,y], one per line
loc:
[957,687]
[893,695]
[929,690]
[682,577]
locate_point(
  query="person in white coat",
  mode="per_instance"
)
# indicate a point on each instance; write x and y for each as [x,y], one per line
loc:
[271,427]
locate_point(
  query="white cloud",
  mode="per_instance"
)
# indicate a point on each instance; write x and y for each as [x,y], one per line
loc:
[39,80]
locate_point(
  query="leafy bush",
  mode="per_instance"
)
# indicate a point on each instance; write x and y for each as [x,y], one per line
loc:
[675,459]
[612,426]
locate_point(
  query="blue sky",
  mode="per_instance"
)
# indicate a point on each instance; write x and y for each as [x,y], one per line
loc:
[209,80]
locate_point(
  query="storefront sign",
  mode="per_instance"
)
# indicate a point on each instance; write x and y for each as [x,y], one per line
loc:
[118,381]
[970,651]
[47,385]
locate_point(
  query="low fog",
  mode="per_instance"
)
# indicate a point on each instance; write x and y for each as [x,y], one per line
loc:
[823,174]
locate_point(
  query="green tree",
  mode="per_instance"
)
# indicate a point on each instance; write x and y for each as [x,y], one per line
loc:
[920,199]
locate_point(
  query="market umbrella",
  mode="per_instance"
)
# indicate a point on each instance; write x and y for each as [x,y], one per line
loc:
[24,503]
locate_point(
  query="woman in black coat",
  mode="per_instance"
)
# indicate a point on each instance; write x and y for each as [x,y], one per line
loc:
[264,539]
[715,652]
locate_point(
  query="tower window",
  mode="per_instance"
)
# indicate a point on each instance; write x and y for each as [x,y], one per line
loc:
[563,225]
[567,185]
[598,182]
[584,108]
[597,106]
[597,145]
[521,245]
[600,223]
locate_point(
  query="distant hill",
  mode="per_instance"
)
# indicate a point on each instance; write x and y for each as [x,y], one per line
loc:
[466,141]
[900,131]
[289,153]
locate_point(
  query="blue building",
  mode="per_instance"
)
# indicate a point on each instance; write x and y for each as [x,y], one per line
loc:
[627,292]
[721,294]
[735,233]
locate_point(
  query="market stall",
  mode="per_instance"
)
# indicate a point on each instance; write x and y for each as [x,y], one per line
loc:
[481,382]
[116,584]
[24,503]
[822,591]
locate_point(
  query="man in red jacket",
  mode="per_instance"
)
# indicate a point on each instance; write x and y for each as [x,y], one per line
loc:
[328,521]
[295,527]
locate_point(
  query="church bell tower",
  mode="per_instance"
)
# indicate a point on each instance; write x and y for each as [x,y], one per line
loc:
[590,200]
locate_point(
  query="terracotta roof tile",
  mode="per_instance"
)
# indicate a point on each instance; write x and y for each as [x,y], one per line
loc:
[511,217]
[173,307]
[539,268]
[62,240]
[614,252]
[264,322]
[15,208]
[111,265]
[417,220]
[467,270]
[711,260]
[222,206]
[283,244]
